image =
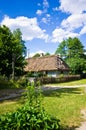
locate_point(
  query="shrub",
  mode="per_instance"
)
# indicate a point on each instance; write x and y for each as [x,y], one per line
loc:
[10,83]
[31,116]
[22,81]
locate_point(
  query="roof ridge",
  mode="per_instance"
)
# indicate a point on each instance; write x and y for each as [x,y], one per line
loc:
[43,57]
[46,63]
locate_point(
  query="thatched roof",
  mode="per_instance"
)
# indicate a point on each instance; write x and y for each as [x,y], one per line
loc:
[45,63]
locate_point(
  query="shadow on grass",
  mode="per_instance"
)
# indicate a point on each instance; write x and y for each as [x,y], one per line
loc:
[60,92]
[68,128]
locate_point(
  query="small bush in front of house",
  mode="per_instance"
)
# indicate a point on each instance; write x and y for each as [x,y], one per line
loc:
[20,82]
[28,118]
[31,116]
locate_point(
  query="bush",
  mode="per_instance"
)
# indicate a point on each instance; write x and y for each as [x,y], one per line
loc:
[31,116]
[10,83]
[22,82]
[28,118]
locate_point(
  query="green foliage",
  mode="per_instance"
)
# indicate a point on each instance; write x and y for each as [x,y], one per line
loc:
[47,54]
[62,48]
[12,52]
[10,83]
[5,83]
[31,116]
[35,74]
[77,65]
[72,51]
[22,82]
[37,55]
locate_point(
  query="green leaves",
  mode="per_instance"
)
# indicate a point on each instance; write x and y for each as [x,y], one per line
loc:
[29,117]
[10,44]
[72,51]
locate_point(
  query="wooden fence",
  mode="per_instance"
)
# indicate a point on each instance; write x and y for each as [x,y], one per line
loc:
[60,79]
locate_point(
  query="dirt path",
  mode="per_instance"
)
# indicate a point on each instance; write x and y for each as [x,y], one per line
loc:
[83,124]
[82,127]
[10,93]
[52,87]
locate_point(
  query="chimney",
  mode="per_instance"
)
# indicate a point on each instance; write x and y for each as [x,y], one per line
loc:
[41,54]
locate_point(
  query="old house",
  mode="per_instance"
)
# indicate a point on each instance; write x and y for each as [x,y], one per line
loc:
[51,66]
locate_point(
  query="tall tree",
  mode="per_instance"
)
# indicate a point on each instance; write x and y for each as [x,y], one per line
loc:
[73,53]
[12,51]
[62,49]
[18,52]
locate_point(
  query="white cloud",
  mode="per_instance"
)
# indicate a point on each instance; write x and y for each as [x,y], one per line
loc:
[48,15]
[39,4]
[68,27]
[46,19]
[39,12]
[74,21]
[45,4]
[28,26]
[37,52]
[73,6]
[59,34]
[83,30]
[55,9]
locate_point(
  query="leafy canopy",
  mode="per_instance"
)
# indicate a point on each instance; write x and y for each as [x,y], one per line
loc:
[12,49]
[72,51]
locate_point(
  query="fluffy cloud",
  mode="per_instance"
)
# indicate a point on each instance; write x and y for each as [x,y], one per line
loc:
[74,21]
[83,30]
[73,6]
[55,9]
[28,26]
[45,5]
[39,12]
[59,34]
[46,19]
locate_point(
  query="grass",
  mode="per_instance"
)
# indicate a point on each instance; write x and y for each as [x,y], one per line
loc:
[65,104]
[9,106]
[71,83]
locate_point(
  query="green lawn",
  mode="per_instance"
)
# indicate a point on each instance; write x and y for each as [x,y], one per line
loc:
[65,104]
[71,83]
[9,106]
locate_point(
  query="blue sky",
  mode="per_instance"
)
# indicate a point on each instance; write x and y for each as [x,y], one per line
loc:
[45,23]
